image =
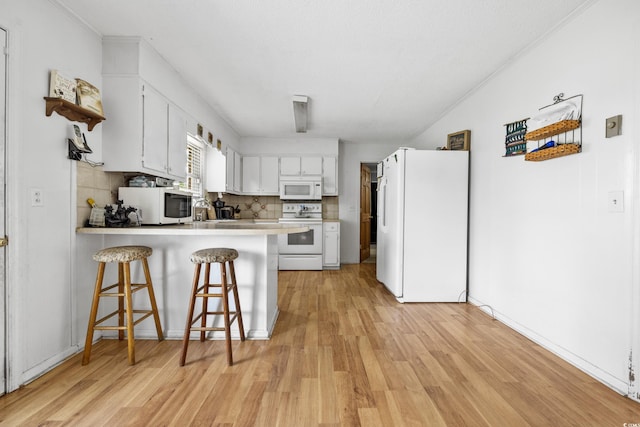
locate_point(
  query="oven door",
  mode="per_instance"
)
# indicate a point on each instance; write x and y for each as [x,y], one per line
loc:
[308,242]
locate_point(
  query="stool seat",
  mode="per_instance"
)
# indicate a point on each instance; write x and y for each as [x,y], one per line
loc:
[209,255]
[208,291]
[122,254]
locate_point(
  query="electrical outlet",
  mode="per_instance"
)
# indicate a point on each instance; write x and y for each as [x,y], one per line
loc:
[36,197]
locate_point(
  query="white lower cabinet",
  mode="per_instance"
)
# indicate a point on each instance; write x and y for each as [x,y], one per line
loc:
[331,246]
[329,176]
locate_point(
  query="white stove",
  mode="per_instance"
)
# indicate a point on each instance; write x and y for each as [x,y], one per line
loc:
[301,251]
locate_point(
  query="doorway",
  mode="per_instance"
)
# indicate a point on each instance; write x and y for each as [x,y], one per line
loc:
[368,212]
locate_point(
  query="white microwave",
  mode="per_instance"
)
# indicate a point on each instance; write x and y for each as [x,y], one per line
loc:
[158,205]
[301,188]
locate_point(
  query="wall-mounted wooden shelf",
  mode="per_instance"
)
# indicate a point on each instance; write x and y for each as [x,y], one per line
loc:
[73,112]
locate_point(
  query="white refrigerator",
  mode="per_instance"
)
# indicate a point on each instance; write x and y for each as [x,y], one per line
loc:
[422,225]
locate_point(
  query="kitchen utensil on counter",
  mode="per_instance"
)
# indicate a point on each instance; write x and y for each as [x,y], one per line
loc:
[226,212]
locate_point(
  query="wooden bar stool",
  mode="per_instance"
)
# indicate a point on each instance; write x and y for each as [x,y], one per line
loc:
[123,255]
[223,257]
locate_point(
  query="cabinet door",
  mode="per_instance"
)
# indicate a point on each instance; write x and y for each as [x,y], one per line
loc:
[251,175]
[154,131]
[329,176]
[230,162]
[237,172]
[290,166]
[177,143]
[330,251]
[311,165]
[216,173]
[269,175]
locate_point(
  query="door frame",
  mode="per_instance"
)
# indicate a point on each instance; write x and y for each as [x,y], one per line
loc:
[13,349]
[366,235]
[4,45]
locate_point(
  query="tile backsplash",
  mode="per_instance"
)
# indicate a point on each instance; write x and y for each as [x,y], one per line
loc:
[93,182]
[270,207]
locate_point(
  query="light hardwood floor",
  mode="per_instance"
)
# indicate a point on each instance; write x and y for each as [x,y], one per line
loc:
[344,352]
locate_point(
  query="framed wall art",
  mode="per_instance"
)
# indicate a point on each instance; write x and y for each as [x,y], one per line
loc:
[459,140]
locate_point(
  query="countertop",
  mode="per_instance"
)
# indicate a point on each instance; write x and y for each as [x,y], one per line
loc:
[200,228]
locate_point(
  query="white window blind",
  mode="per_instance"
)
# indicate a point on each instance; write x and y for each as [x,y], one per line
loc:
[195,165]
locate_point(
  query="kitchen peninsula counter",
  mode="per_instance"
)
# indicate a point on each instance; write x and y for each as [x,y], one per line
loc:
[199,228]
[172,271]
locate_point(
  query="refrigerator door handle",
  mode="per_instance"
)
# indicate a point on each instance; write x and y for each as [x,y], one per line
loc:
[383,204]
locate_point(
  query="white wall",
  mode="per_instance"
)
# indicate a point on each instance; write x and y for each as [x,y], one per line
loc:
[279,146]
[39,283]
[545,253]
[351,155]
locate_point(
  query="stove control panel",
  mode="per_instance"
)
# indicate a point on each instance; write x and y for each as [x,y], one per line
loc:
[302,210]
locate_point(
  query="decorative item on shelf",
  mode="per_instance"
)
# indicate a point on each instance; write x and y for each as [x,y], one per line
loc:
[459,140]
[61,86]
[89,97]
[560,121]
[514,142]
[74,99]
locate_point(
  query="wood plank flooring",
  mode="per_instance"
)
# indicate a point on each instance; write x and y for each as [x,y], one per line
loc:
[344,353]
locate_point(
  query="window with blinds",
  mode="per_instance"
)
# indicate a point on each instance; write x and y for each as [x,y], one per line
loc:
[195,165]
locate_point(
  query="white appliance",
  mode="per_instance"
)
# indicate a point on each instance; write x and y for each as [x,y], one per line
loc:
[301,187]
[422,225]
[301,251]
[158,205]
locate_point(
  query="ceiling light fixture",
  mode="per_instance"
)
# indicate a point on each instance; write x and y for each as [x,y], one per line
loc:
[300,112]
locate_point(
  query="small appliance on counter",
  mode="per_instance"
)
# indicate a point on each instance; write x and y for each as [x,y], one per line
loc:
[224,212]
[158,205]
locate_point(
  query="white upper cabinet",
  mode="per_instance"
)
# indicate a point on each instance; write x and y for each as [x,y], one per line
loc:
[230,169]
[155,130]
[237,172]
[177,142]
[260,175]
[234,171]
[251,175]
[216,171]
[146,133]
[270,175]
[329,176]
[300,166]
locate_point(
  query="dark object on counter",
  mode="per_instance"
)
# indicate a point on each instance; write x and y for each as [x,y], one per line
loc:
[119,218]
[225,212]
[218,206]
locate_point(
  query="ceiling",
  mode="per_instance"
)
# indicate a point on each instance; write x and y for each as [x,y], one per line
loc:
[374,70]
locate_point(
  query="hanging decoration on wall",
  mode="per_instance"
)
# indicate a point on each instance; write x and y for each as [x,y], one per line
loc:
[514,142]
[556,130]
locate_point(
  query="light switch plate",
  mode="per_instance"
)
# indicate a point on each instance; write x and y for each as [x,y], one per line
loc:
[614,126]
